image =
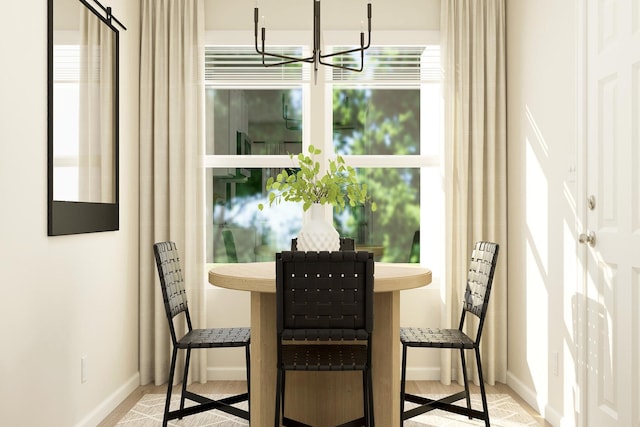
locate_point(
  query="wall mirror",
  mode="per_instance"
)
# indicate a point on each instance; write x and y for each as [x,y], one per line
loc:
[82,118]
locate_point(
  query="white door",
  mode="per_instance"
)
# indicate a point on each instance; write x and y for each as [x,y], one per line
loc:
[613,215]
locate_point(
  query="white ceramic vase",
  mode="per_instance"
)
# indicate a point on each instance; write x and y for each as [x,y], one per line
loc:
[317,234]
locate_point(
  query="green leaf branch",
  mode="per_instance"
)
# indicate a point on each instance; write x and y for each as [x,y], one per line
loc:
[338,186]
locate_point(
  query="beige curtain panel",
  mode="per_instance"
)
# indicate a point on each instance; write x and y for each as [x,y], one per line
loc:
[171,174]
[473,53]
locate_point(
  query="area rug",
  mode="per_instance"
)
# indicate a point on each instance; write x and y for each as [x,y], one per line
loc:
[503,410]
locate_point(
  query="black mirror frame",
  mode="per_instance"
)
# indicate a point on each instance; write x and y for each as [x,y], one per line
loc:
[66,217]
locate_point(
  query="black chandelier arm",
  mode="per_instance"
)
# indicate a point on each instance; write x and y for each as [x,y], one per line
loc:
[360,49]
[264,53]
[344,67]
[344,52]
[287,59]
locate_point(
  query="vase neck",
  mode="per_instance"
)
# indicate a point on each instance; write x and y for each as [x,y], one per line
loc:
[316,212]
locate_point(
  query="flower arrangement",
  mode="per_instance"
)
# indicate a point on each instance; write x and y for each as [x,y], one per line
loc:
[338,186]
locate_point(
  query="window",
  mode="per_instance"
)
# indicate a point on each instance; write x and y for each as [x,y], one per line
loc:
[250,123]
[66,88]
[386,122]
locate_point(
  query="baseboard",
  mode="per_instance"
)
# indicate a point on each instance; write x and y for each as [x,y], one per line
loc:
[528,395]
[550,414]
[110,403]
[554,418]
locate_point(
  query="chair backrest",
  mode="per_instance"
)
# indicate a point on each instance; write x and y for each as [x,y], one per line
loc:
[346,244]
[172,283]
[482,266]
[324,295]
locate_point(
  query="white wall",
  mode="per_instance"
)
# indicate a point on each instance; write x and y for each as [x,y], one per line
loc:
[68,296]
[542,84]
[335,15]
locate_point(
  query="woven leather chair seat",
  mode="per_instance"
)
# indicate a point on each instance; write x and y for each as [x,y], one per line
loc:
[324,357]
[215,338]
[324,334]
[437,338]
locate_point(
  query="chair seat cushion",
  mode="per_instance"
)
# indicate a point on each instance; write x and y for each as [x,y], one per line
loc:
[216,337]
[432,337]
[320,357]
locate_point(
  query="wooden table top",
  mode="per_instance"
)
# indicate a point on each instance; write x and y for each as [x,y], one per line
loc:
[261,276]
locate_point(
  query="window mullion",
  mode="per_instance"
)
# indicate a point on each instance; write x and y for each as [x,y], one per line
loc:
[398,161]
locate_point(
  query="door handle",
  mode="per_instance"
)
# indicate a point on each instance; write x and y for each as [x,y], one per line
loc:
[588,238]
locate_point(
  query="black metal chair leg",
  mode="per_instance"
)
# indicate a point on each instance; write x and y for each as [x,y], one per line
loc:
[365,398]
[485,406]
[403,380]
[466,380]
[248,363]
[278,391]
[284,387]
[372,421]
[172,370]
[185,379]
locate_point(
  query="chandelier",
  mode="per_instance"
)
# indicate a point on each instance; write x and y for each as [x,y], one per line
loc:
[316,58]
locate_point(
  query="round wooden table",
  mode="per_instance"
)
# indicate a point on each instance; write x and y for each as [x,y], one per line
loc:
[341,396]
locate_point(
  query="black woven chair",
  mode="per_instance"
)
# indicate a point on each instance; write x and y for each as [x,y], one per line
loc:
[175,302]
[346,244]
[476,300]
[324,319]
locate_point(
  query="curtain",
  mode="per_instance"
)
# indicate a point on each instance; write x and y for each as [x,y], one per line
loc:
[473,52]
[171,173]
[96,154]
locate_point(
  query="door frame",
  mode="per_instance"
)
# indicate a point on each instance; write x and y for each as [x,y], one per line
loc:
[581,340]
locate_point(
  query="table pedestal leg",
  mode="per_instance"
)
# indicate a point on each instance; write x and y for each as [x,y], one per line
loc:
[326,398]
[386,358]
[263,358]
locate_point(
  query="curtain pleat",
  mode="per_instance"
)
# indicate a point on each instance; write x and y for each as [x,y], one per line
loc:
[473,57]
[171,175]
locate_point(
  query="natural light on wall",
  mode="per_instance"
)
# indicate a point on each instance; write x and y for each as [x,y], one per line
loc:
[537,256]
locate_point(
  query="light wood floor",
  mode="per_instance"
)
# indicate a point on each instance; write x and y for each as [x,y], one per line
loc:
[229,387]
